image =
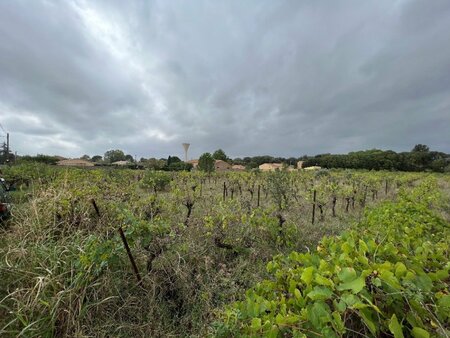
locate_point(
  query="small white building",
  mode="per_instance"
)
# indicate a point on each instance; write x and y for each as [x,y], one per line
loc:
[238,167]
[270,166]
[314,167]
[121,163]
[194,163]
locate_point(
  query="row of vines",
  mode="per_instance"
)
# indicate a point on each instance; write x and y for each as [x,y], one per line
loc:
[148,253]
[387,276]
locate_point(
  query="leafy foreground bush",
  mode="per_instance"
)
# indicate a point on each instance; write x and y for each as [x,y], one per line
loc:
[388,276]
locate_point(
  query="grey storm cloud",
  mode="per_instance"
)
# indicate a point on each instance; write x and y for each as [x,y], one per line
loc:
[284,78]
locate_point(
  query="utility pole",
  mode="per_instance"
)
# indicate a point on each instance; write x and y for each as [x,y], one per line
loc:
[7,147]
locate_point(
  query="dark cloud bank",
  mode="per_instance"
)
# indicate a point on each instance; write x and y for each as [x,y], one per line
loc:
[284,78]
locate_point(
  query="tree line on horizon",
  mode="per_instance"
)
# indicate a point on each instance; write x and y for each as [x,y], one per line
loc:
[420,158]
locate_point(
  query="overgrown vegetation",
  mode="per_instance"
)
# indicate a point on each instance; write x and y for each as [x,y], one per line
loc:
[199,242]
[388,275]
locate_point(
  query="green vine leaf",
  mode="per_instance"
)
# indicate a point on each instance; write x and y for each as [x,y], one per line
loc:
[355,285]
[395,327]
[320,293]
[418,332]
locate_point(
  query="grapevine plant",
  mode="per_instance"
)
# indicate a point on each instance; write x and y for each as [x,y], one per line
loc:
[387,276]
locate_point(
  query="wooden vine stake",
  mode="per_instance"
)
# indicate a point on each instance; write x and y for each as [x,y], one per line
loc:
[259,195]
[363,203]
[314,206]
[94,204]
[130,256]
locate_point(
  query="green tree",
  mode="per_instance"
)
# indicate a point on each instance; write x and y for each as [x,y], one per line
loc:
[420,148]
[96,158]
[172,159]
[206,163]
[85,157]
[114,156]
[129,158]
[219,154]
[439,165]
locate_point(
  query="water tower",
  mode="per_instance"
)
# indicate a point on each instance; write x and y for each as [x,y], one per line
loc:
[186,147]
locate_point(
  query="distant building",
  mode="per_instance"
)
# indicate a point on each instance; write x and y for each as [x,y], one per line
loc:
[270,166]
[121,163]
[300,164]
[76,162]
[238,167]
[314,167]
[220,165]
[194,163]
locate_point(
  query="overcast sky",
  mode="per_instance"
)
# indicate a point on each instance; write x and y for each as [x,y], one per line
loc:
[284,78]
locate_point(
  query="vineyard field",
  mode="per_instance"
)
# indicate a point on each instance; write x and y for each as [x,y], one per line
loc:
[134,253]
